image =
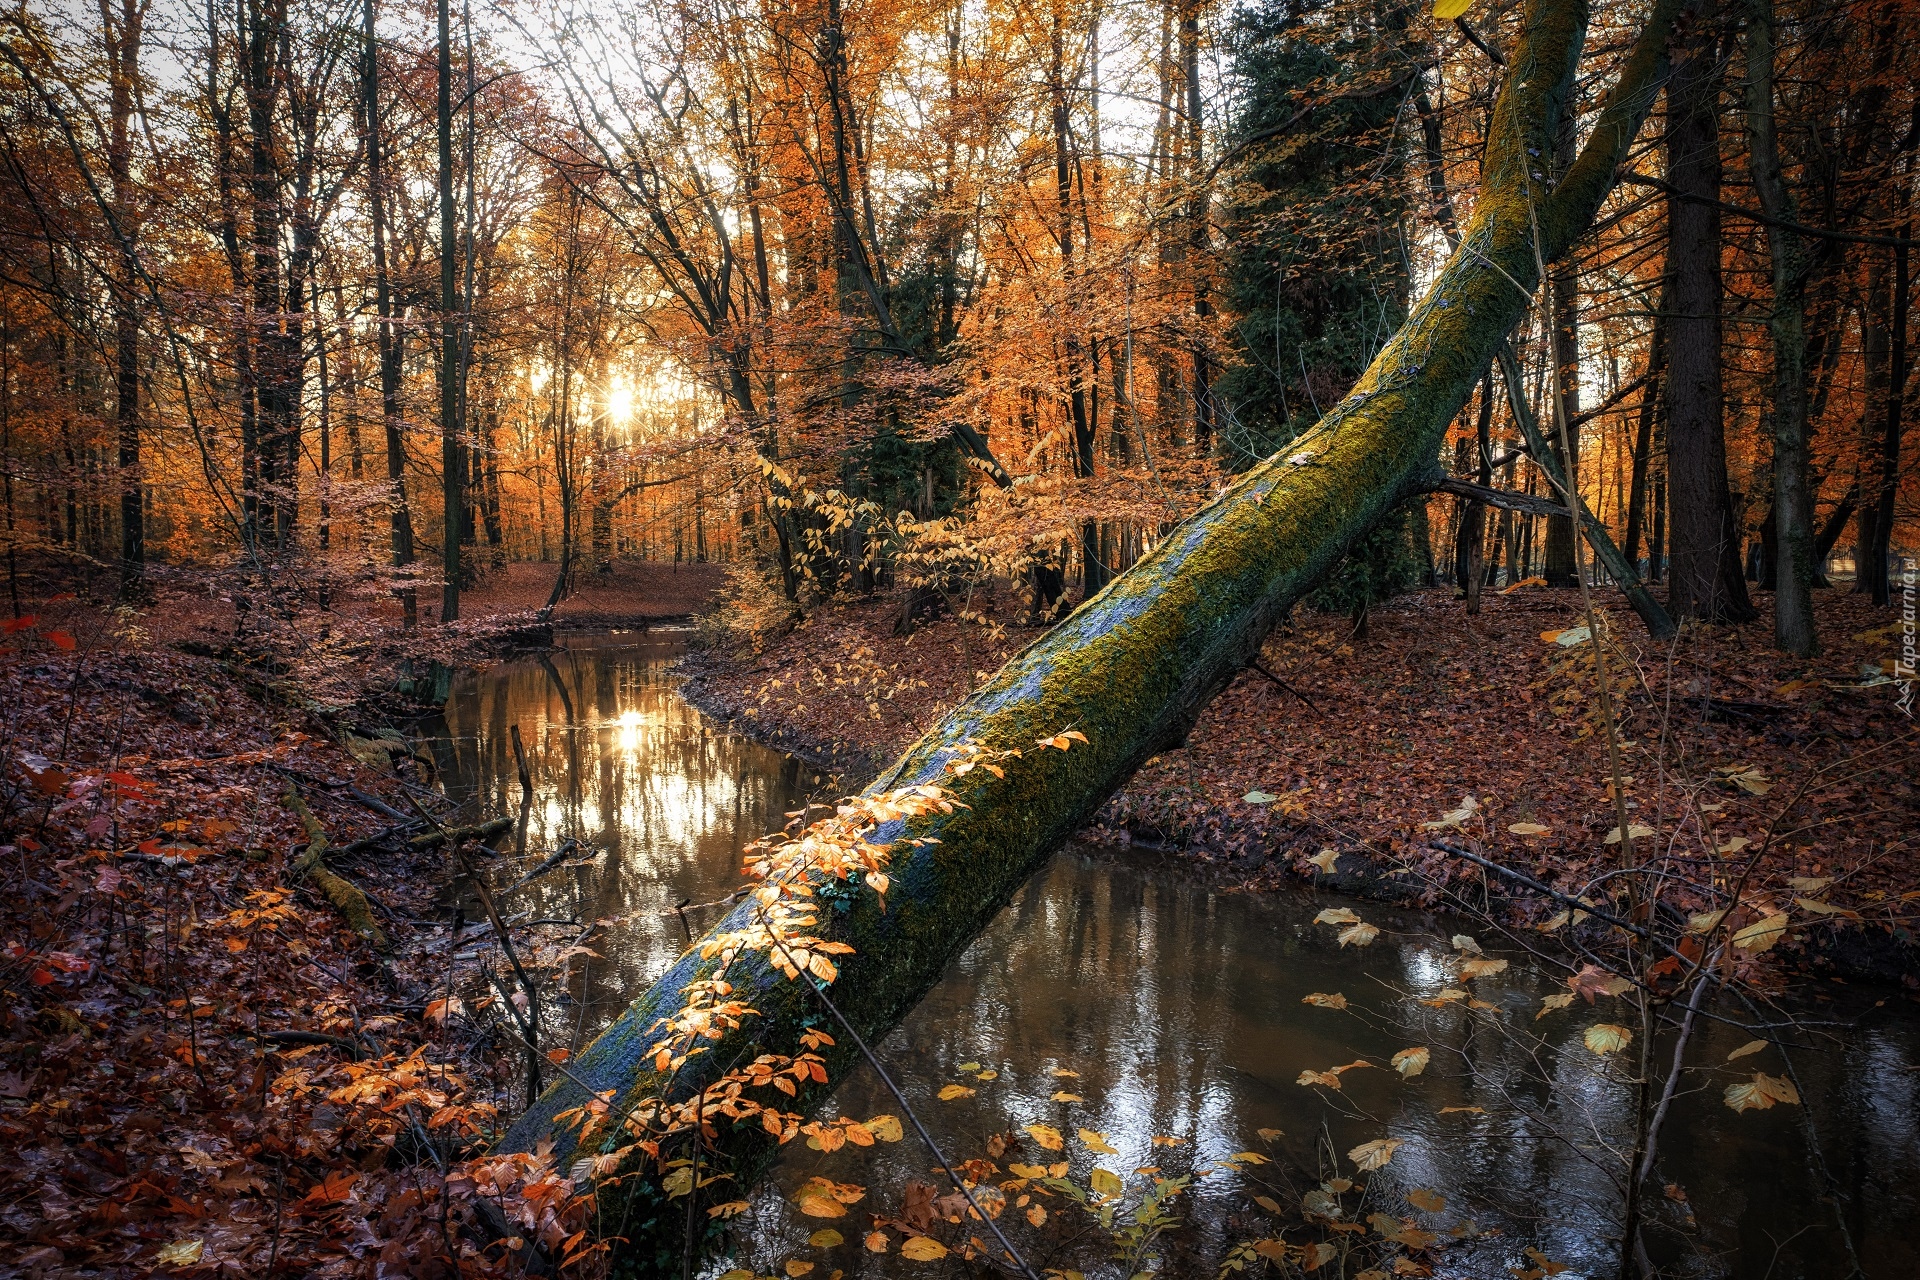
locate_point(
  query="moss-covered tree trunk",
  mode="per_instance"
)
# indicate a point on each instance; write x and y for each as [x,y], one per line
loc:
[1132,668]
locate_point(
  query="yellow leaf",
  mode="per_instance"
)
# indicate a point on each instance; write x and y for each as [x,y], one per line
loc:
[1454,819]
[1324,1000]
[1426,1201]
[952,1091]
[1047,1136]
[1268,1135]
[1369,1156]
[1336,915]
[1358,935]
[885,1128]
[1061,1095]
[1634,829]
[181,1253]
[1756,938]
[1325,860]
[1254,1157]
[1824,908]
[923,1249]
[1270,1205]
[1706,921]
[1037,1216]
[1734,845]
[1329,1079]
[1105,1183]
[1529,829]
[1481,968]
[826,1239]
[1411,1062]
[1097,1142]
[1027,1170]
[1064,1072]
[730,1209]
[1751,1046]
[1549,1003]
[1808,884]
[1761,1092]
[1471,1111]
[1607,1037]
[795,1267]
[1461,942]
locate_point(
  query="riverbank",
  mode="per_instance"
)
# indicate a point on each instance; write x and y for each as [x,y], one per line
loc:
[224,1032]
[1347,757]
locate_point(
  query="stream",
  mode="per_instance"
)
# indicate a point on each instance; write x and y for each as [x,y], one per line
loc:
[1166,1008]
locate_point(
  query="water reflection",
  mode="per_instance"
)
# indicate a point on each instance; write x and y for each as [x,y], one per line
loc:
[622,764]
[1180,1009]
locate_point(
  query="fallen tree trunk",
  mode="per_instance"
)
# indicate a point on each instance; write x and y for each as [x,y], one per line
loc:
[1132,668]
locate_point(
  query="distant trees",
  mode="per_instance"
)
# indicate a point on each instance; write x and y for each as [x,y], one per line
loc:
[934,296]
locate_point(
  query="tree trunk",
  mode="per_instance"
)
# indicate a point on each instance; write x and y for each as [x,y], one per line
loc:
[453,461]
[1704,576]
[1564,351]
[1643,440]
[386,340]
[1133,667]
[1791,522]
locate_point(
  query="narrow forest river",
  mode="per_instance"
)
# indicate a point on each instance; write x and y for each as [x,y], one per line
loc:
[1179,1011]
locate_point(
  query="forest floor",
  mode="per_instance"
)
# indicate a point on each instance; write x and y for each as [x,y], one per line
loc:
[1343,765]
[203,1070]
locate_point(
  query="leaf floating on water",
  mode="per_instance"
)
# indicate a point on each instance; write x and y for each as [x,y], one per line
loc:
[730,1209]
[1105,1183]
[876,1242]
[1593,981]
[1461,942]
[1061,1095]
[1426,1201]
[1063,1072]
[1358,935]
[952,1091]
[1336,915]
[923,1249]
[1037,1216]
[1447,996]
[969,1066]
[820,1198]
[1047,1136]
[1268,1135]
[826,1238]
[1326,860]
[1481,968]
[1327,1000]
[1159,1141]
[1751,1046]
[1472,1111]
[1369,1156]
[885,1128]
[1411,1062]
[1761,1092]
[1529,829]
[797,1267]
[1097,1142]
[1550,1003]
[1027,1170]
[1607,1037]
[1270,1205]
[1328,1079]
